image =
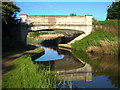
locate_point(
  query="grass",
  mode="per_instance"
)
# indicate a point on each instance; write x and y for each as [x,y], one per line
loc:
[93,40]
[100,38]
[112,23]
[25,74]
[34,39]
[111,26]
[37,50]
[36,34]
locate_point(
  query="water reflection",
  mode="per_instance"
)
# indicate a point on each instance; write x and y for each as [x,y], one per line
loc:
[97,82]
[68,68]
[105,69]
[84,70]
[50,55]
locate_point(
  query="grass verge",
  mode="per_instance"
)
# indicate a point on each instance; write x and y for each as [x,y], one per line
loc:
[101,41]
[25,74]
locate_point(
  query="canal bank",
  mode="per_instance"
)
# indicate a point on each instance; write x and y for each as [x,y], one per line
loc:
[72,71]
[78,69]
[24,73]
[103,40]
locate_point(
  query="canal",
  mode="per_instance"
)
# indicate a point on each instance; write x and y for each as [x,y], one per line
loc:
[78,69]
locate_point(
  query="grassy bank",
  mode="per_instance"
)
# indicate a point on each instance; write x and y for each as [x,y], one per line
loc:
[34,38]
[99,41]
[36,34]
[111,23]
[25,74]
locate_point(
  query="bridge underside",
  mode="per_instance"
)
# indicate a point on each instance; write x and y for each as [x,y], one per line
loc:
[70,27]
[76,31]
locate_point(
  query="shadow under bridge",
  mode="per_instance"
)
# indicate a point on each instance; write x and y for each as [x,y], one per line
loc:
[69,34]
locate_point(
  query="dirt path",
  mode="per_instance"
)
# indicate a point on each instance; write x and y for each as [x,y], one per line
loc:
[7,62]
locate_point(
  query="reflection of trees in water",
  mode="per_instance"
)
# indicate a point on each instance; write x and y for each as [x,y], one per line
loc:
[67,61]
[68,67]
[107,65]
[110,67]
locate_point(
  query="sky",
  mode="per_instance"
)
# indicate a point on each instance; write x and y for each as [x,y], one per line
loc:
[65,0]
[97,9]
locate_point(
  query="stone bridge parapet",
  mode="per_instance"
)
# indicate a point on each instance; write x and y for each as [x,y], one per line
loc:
[38,22]
[41,22]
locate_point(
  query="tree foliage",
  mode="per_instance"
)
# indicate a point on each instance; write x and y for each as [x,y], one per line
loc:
[113,11]
[9,11]
[10,30]
[73,14]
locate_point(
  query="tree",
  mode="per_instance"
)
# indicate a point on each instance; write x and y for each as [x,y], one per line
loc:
[73,14]
[9,11]
[113,11]
[10,30]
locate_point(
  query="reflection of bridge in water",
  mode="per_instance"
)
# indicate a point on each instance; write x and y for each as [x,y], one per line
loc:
[77,71]
[76,75]
[70,68]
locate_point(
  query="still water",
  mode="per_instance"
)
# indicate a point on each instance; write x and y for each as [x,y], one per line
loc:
[50,55]
[78,69]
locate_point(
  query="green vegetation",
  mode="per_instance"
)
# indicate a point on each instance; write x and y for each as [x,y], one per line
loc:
[9,12]
[73,14]
[107,65]
[37,50]
[110,23]
[36,34]
[103,39]
[33,37]
[97,61]
[25,74]
[93,40]
[113,11]
[82,55]
[10,27]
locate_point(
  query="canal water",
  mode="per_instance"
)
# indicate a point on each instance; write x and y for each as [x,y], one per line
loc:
[77,69]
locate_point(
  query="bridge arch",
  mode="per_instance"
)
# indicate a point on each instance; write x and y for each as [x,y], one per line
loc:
[59,22]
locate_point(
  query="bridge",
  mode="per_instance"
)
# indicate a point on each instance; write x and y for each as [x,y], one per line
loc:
[58,22]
